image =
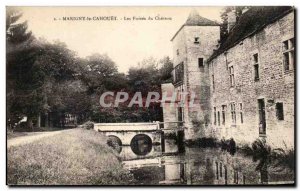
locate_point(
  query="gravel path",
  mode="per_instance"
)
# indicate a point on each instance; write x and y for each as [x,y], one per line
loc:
[31,138]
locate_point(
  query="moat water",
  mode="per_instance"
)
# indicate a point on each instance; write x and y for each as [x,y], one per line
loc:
[182,165]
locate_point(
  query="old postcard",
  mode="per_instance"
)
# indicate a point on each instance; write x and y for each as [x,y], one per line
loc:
[150,95]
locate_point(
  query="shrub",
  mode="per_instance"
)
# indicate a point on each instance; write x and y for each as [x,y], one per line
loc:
[88,125]
[203,142]
[278,158]
[228,145]
[284,158]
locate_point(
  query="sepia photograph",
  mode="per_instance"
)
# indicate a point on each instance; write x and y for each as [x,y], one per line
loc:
[150,96]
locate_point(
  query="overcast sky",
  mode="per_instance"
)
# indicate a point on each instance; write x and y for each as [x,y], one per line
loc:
[126,42]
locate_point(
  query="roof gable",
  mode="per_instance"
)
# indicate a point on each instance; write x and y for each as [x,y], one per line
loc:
[194,19]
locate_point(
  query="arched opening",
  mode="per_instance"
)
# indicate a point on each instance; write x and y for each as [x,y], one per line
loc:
[141,144]
[114,142]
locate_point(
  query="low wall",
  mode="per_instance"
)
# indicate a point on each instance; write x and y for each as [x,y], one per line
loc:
[126,126]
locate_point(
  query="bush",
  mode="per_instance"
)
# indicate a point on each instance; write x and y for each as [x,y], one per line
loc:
[228,145]
[203,142]
[88,125]
[278,158]
[284,158]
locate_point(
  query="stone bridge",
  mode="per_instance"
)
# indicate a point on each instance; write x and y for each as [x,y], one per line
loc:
[128,133]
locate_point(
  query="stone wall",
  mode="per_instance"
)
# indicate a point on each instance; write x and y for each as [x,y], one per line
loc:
[169,109]
[196,79]
[274,85]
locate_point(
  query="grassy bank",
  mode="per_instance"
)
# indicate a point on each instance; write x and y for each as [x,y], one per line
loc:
[75,157]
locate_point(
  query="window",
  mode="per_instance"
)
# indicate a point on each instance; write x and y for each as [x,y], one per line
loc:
[256,67]
[177,51]
[219,118]
[241,113]
[213,82]
[178,73]
[288,54]
[223,114]
[233,114]
[279,111]
[255,56]
[231,76]
[200,62]
[215,116]
[196,40]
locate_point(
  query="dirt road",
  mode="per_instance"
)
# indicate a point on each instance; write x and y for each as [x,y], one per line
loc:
[31,138]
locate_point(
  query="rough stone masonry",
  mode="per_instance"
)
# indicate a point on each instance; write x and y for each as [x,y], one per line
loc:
[245,85]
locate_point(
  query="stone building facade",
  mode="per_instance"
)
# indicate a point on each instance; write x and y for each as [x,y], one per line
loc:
[244,86]
[192,46]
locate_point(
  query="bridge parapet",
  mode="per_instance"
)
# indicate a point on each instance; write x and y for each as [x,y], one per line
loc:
[111,127]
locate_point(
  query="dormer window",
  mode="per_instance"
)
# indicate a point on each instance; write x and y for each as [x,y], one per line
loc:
[196,40]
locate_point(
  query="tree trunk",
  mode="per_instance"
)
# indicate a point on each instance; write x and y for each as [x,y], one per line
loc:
[38,124]
[30,123]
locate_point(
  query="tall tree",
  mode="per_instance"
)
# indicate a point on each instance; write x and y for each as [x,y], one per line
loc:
[16,32]
[224,16]
[19,61]
[99,69]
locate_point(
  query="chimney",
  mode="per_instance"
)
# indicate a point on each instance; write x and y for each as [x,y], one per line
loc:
[231,20]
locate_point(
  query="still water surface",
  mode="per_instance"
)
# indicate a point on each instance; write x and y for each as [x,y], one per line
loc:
[195,166]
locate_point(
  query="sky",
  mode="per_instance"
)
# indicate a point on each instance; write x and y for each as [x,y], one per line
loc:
[126,42]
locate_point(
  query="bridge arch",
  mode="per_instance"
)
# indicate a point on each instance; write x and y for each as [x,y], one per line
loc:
[115,142]
[141,144]
[126,137]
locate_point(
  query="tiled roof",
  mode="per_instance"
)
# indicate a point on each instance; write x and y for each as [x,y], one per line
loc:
[195,19]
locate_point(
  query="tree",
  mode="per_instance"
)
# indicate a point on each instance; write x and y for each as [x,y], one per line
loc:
[98,72]
[165,71]
[35,70]
[224,16]
[19,61]
[16,32]
[147,77]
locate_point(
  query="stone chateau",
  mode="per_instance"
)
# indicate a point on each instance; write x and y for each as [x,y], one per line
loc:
[244,87]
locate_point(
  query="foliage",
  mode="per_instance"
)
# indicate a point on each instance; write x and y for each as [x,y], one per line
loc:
[44,77]
[23,76]
[16,32]
[98,72]
[47,74]
[203,142]
[284,158]
[260,152]
[265,156]
[224,17]
[88,125]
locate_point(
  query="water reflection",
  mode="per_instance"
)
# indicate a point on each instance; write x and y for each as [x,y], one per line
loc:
[197,166]
[141,144]
[115,143]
